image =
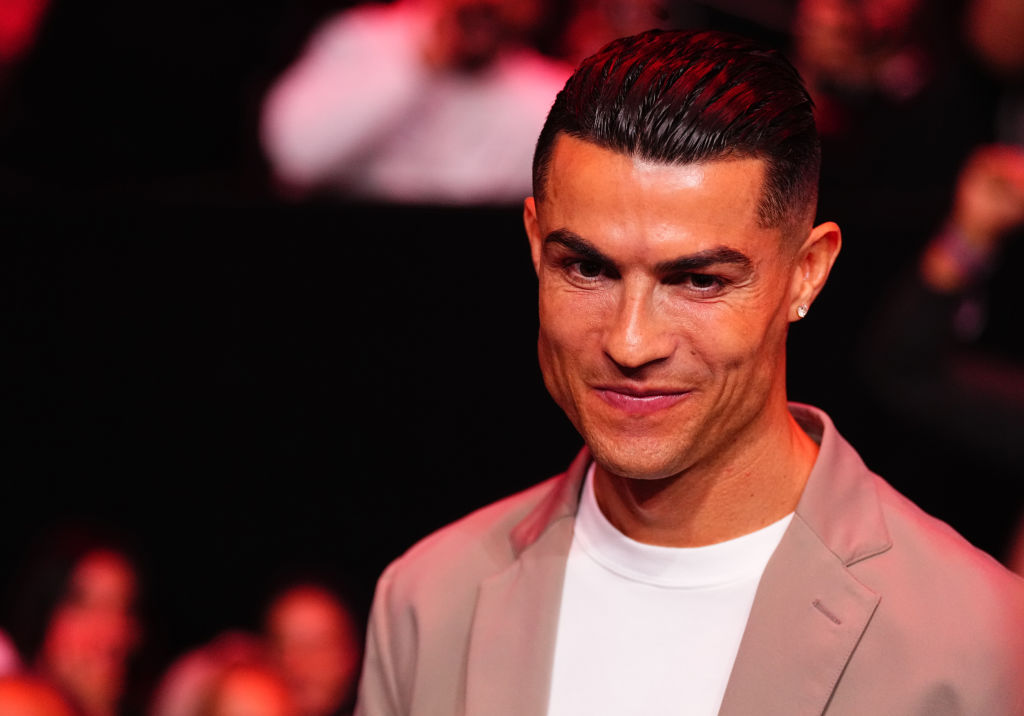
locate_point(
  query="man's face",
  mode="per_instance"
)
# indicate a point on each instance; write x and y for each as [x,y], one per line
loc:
[663,305]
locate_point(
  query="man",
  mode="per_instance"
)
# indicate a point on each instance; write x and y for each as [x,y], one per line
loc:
[713,549]
[425,101]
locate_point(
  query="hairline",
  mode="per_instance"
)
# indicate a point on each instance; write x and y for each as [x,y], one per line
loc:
[792,224]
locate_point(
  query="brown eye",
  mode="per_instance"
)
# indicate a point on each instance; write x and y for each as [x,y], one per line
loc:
[589,269]
[704,285]
[703,281]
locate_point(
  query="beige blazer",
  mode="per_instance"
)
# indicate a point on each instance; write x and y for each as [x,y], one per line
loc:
[867,607]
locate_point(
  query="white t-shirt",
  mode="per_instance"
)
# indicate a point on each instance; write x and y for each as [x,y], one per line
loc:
[651,630]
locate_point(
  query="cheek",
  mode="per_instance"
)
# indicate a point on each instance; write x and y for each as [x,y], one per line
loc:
[735,341]
[65,633]
[570,324]
[565,346]
[552,365]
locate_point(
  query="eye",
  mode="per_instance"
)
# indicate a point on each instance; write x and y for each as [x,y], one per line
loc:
[702,284]
[703,281]
[585,272]
[588,269]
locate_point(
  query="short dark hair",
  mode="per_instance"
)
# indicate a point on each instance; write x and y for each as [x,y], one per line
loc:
[691,96]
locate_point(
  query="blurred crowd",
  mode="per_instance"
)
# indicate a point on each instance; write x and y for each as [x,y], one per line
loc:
[78,625]
[438,102]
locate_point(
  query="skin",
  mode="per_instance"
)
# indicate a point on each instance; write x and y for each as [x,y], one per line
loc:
[314,642]
[93,632]
[664,308]
[988,206]
[252,691]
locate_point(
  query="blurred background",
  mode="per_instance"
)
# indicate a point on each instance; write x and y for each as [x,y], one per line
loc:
[269,317]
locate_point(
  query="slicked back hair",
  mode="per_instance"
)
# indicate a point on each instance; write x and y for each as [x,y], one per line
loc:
[687,97]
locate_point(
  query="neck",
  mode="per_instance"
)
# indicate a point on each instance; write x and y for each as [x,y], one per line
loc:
[718,499]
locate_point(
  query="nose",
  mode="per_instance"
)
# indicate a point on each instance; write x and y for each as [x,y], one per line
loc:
[637,336]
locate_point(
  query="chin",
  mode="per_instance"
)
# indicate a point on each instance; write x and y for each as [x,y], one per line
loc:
[638,459]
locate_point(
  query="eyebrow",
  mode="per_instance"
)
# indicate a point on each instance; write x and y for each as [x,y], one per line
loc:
[704,259]
[691,262]
[577,244]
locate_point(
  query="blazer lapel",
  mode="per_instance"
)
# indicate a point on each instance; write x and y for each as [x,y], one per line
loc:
[810,611]
[807,618]
[512,645]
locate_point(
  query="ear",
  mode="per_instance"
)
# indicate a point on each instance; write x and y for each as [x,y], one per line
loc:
[533,231]
[813,263]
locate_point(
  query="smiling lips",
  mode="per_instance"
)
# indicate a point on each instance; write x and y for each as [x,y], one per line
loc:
[637,402]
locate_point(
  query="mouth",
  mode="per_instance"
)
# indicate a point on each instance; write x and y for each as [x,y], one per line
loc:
[640,401]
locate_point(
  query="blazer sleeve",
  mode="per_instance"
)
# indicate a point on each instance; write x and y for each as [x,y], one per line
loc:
[380,685]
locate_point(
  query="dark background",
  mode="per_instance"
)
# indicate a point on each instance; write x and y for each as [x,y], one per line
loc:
[241,388]
[255,389]
[246,389]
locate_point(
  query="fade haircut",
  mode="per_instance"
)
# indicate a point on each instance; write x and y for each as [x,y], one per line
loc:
[694,96]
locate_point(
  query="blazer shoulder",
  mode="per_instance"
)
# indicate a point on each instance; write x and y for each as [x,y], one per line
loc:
[937,574]
[938,547]
[469,549]
[948,618]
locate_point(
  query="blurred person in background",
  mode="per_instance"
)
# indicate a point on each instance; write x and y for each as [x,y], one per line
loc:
[10,662]
[901,100]
[944,354]
[311,648]
[76,623]
[314,640]
[421,101]
[594,23]
[28,696]
[849,48]
[900,103]
[189,685]
[251,689]
[996,29]
[925,356]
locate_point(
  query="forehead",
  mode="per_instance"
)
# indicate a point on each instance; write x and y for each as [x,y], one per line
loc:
[306,608]
[104,573]
[608,196]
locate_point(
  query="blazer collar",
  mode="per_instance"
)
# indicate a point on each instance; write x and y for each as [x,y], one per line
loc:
[512,644]
[562,501]
[807,618]
[810,611]
[840,501]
